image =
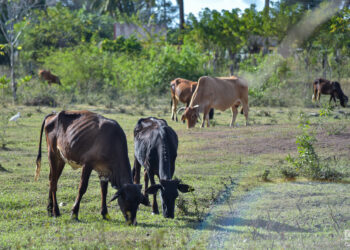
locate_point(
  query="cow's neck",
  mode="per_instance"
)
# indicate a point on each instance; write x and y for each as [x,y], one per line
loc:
[164,160]
[122,175]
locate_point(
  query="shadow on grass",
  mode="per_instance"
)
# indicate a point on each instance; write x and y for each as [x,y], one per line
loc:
[191,226]
[269,225]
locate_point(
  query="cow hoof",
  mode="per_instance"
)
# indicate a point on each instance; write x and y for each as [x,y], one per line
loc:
[74,217]
[106,217]
[155,213]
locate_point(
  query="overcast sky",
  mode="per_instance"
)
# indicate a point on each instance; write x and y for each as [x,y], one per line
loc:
[195,6]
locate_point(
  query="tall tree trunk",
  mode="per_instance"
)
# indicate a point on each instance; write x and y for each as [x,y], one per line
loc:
[182,14]
[164,12]
[324,64]
[12,73]
[215,60]
[267,7]
[232,56]
[266,14]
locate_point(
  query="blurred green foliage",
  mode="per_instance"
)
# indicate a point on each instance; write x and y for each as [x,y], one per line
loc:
[75,41]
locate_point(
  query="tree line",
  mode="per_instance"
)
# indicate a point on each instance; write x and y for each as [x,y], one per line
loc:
[40,33]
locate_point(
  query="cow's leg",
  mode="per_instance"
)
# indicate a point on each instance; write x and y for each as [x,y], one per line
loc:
[104,188]
[154,204]
[245,110]
[173,110]
[234,115]
[146,178]
[136,171]
[332,98]
[85,175]
[319,97]
[56,168]
[205,117]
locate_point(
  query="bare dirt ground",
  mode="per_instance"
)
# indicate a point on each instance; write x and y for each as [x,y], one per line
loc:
[265,142]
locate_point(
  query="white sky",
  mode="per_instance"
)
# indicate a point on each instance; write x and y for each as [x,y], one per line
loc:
[195,6]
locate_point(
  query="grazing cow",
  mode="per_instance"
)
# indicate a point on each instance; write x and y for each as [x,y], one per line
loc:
[92,142]
[219,93]
[182,90]
[49,77]
[155,148]
[326,87]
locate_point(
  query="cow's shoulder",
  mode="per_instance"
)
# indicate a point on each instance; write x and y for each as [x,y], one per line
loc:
[149,123]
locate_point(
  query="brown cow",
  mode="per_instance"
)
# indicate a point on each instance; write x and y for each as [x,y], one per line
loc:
[49,77]
[92,142]
[219,93]
[326,87]
[182,90]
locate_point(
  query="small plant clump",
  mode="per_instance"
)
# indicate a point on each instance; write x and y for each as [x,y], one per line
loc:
[307,163]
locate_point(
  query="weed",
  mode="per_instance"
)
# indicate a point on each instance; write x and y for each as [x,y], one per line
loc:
[307,163]
[199,213]
[109,105]
[181,204]
[335,128]
[273,121]
[289,173]
[265,175]
[326,110]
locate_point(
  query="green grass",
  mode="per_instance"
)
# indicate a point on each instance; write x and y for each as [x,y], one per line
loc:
[231,205]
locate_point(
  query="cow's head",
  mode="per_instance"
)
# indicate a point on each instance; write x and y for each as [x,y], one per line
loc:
[343,100]
[191,114]
[169,193]
[129,199]
[58,81]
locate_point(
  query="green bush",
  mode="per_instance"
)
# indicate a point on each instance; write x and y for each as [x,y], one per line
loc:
[128,45]
[85,69]
[307,162]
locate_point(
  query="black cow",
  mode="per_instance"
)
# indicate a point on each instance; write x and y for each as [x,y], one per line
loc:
[326,87]
[156,149]
[92,142]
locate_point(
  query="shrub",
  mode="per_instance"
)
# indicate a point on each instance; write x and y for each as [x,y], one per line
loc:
[289,173]
[307,163]
[86,69]
[128,45]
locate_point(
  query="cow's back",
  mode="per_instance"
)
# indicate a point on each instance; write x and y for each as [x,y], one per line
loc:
[153,136]
[84,136]
[220,93]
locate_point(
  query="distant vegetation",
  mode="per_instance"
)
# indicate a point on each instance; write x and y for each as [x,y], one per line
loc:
[75,41]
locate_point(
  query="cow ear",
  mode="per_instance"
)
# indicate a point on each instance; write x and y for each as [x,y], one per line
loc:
[117,194]
[153,189]
[184,188]
[145,201]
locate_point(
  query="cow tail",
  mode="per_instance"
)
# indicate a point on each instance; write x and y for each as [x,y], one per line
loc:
[38,158]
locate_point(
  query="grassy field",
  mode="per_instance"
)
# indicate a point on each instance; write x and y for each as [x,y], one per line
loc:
[232,206]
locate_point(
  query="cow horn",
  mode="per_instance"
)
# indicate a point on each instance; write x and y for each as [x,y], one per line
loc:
[180,109]
[117,194]
[196,106]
